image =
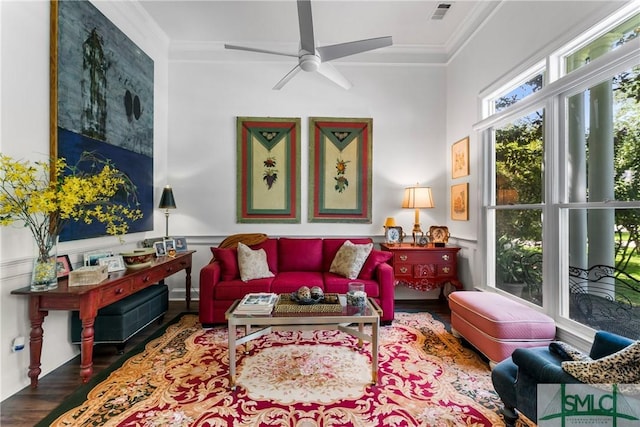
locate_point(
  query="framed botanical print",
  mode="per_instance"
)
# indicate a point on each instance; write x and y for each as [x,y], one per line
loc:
[268,182]
[460,202]
[340,176]
[460,158]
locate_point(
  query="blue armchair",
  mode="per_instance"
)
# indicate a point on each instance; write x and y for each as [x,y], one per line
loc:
[516,379]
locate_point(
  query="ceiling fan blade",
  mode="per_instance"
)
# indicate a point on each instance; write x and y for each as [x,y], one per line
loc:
[253,49]
[305,20]
[331,73]
[334,51]
[286,78]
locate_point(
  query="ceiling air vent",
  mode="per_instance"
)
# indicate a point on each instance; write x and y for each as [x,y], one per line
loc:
[440,11]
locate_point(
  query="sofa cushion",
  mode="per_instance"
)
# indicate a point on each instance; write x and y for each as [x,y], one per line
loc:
[350,258]
[291,281]
[330,248]
[231,290]
[374,259]
[299,254]
[336,284]
[228,259]
[270,246]
[252,263]
[620,367]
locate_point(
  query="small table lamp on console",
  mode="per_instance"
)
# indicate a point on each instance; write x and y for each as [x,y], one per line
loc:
[417,198]
[167,202]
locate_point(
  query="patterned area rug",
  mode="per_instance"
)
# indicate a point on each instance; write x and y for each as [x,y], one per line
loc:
[301,379]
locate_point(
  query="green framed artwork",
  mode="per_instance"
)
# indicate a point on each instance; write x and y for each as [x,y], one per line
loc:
[268,182]
[340,176]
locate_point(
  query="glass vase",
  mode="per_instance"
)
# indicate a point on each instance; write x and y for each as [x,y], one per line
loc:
[44,276]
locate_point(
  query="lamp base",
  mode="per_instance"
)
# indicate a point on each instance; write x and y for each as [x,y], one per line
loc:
[166,231]
[417,233]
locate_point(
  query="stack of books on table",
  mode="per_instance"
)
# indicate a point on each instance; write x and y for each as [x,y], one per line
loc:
[257,303]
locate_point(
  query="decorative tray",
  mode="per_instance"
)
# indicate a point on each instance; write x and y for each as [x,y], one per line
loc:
[323,299]
[288,303]
[305,301]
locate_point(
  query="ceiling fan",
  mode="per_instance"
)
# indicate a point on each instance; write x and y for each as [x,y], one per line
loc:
[312,58]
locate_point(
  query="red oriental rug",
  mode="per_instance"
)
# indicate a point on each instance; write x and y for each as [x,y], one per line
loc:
[296,379]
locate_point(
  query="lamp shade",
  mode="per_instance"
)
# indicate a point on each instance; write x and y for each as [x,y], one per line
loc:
[417,198]
[167,201]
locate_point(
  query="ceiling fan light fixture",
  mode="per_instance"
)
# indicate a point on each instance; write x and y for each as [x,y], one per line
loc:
[315,58]
[309,62]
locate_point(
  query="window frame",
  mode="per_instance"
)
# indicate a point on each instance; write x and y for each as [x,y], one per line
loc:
[558,87]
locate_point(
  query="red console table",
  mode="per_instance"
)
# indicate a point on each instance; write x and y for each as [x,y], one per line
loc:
[88,299]
[424,267]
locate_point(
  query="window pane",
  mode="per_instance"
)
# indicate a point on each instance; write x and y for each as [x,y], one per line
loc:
[604,270]
[519,253]
[519,161]
[604,140]
[519,93]
[613,39]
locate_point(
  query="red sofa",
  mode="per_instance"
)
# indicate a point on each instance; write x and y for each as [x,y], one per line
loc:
[294,262]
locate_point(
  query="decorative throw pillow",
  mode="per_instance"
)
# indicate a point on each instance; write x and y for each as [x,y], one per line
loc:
[621,367]
[252,264]
[228,259]
[349,259]
[568,352]
[374,259]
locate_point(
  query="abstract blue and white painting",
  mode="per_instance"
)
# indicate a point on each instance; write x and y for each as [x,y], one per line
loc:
[104,104]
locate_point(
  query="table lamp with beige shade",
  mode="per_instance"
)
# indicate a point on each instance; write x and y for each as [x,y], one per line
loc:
[417,198]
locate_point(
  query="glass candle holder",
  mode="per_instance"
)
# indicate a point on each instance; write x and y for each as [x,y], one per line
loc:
[356,295]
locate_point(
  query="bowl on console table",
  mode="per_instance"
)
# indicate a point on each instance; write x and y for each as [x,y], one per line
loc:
[139,258]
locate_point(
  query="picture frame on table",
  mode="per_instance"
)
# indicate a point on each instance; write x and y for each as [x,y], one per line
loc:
[439,235]
[63,266]
[92,258]
[170,247]
[161,249]
[113,263]
[181,244]
[169,244]
[393,235]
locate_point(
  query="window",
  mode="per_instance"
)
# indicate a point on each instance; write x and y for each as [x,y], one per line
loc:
[603,166]
[519,182]
[562,190]
[610,40]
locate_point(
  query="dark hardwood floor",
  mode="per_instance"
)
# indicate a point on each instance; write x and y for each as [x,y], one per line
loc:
[29,405]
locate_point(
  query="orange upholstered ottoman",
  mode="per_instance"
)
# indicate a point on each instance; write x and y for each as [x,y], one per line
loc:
[497,325]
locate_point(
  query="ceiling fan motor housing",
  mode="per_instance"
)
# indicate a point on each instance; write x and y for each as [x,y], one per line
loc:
[309,62]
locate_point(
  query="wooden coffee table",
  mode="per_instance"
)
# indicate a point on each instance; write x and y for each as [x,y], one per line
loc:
[350,320]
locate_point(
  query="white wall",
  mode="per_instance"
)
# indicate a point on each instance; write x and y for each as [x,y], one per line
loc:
[405,102]
[24,133]
[205,97]
[516,33]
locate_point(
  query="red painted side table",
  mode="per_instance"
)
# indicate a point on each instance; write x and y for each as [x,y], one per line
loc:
[424,267]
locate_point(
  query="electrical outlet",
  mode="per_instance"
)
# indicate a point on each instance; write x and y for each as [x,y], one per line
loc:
[18,344]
